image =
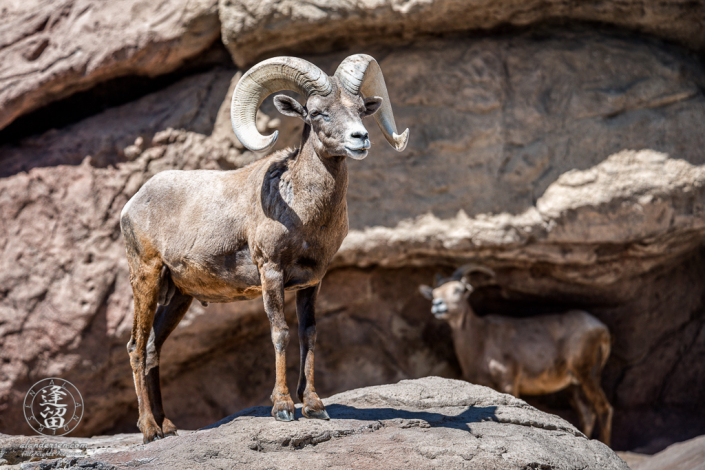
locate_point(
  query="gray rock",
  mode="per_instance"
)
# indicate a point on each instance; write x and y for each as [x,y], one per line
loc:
[424,423]
[688,455]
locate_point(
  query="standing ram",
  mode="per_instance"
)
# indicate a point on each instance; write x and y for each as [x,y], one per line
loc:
[270,227]
[527,356]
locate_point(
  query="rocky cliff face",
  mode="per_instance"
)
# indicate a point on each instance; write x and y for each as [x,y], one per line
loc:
[568,157]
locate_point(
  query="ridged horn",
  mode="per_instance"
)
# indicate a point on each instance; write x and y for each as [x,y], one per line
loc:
[267,77]
[360,74]
[466,269]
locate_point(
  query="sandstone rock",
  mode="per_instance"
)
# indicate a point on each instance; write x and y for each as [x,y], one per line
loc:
[255,28]
[632,198]
[512,115]
[49,49]
[514,131]
[425,423]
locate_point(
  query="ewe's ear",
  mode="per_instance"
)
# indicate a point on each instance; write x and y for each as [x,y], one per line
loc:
[288,106]
[466,284]
[372,105]
[426,291]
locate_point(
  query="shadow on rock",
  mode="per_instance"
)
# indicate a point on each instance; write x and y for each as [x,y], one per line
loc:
[391,416]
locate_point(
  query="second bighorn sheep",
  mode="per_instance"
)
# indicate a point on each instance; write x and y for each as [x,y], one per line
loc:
[527,356]
[271,227]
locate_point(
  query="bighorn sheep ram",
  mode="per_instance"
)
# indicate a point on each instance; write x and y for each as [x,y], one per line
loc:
[270,227]
[530,356]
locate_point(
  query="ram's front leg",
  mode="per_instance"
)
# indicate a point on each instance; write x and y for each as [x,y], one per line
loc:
[305,311]
[273,293]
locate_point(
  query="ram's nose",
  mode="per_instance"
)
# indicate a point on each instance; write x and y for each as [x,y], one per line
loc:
[358,138]
[360,134]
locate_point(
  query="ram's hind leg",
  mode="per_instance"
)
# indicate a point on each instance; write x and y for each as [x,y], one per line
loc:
[165,321]
[145,287]
[305,311]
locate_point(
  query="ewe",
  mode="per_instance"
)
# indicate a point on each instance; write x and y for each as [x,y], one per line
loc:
[531,356]
[273,226]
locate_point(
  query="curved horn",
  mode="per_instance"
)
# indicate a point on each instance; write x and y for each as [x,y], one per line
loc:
[469,268]
[265,78]
[360,75]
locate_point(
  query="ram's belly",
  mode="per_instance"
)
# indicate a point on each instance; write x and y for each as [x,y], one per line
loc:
[222,278]
[236,277]
[209,286]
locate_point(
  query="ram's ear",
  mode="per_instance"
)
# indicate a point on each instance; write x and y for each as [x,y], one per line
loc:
[426,291]
[372,105]
[288,106]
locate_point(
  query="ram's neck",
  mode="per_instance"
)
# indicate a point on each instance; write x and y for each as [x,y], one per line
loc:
[319,185]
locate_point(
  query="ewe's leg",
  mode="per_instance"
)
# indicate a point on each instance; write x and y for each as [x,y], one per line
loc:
[273,295]
[165,321]
[588,371]
[305,312]
[145,287]
[585,414]
[598,401]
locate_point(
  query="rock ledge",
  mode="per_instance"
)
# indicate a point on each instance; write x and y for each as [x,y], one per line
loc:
[425,423]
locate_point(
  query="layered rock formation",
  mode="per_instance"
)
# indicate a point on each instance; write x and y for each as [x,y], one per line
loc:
[567,158]
[253,28]
[49,49]
[425,423]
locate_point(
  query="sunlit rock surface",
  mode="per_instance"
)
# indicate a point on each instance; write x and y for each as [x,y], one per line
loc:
[424,423]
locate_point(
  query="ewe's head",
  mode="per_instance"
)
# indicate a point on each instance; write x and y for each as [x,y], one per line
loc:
[334,105]
[450,297]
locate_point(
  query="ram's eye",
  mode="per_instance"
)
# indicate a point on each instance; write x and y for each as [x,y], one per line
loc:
[315,113]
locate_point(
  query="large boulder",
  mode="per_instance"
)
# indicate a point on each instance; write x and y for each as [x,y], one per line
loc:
[424,423]
[256,28]
[52,49]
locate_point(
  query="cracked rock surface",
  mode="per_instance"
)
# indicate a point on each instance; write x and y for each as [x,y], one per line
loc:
[424,423]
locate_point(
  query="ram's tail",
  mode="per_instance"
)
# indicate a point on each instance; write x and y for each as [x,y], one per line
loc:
[166,287]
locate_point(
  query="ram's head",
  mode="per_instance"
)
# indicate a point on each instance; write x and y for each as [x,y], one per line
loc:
[334,105]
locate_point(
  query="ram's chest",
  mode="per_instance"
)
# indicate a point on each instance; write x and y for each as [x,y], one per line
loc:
[307,258]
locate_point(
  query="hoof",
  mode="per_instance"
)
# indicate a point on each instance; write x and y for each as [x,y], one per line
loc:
[168,428]
[313,414]
[151,437]
[151,432]
[284,415]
